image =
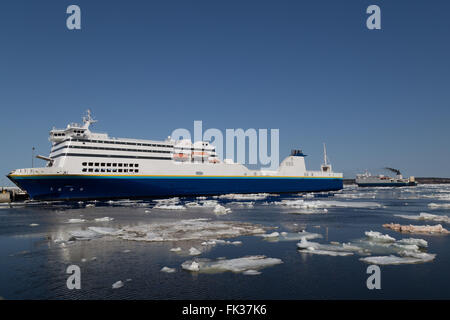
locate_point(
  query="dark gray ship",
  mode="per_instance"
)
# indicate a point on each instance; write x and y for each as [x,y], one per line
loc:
[368,180]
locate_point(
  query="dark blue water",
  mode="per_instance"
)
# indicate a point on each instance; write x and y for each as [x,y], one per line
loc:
[33,265]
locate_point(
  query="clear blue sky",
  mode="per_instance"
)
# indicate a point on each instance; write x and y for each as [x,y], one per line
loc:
[310,68]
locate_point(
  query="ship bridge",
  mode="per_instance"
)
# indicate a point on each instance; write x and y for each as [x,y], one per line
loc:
[76,130]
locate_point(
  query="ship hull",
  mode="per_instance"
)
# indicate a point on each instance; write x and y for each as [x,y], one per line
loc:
[79,187]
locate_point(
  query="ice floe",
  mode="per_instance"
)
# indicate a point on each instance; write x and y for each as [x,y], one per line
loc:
[181,230]
[104,231]
[318,204]
[377,236]
[243,264]
[393,251]
[169,204]
[251,272]
[170,207]
[168,270]
[194,251]
[76,221]
[336,249]
[104,219]
[192,229]
[436,229]
[439,205]
[290,236]
[117,285]
[418,242]
[405,258]
[84,235]
[425,217]
[250,196]
[218,209]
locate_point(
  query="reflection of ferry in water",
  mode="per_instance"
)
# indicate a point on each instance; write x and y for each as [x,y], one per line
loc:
[86,165]
[367,180]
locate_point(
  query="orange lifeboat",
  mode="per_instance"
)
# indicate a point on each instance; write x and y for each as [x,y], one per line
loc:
[180,156]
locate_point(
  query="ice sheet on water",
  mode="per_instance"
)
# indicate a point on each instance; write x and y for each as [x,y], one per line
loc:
[170,207]
[104,231]
[290,236]
[444,205]
[76,221]
[202,204]
[316,204]
[104,219]
[377,236]
[425,217]
[250,196]
[117,284]
[251,272]
[336,249]
[168,270]
[406,258]
[182,230]
[418,242]
[192,229]
[169,204]
[84,235]
[239,265]
[218,209]
[436,229]
[194,251]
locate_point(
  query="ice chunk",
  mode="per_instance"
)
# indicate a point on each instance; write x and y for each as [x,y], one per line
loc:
[193,229]
[250,196]
[84,234]
[417,229]
[117,285]
[251,272]
[234,265]
[104,231]
[34,224]
[439,205]
[377,236]
[270,235]
[76,220]
[194,251]
[190,266]
[170,207]
[317,204]
[104,219]
[177,249]
[426,217]
[407,258]
[168,270]
[218,209]
[418,242]
[336,249]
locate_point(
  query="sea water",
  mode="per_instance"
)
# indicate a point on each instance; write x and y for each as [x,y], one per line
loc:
[228,247]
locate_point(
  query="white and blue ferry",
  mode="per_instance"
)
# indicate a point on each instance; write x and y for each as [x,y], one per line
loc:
[86,165]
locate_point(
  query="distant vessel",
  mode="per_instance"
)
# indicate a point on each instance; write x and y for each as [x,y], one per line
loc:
[367,180]
[86,165]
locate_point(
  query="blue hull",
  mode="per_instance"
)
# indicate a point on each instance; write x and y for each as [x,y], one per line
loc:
[77,187]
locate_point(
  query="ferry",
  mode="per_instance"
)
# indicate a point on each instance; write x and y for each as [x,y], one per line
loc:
[85,165]
[368,180]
